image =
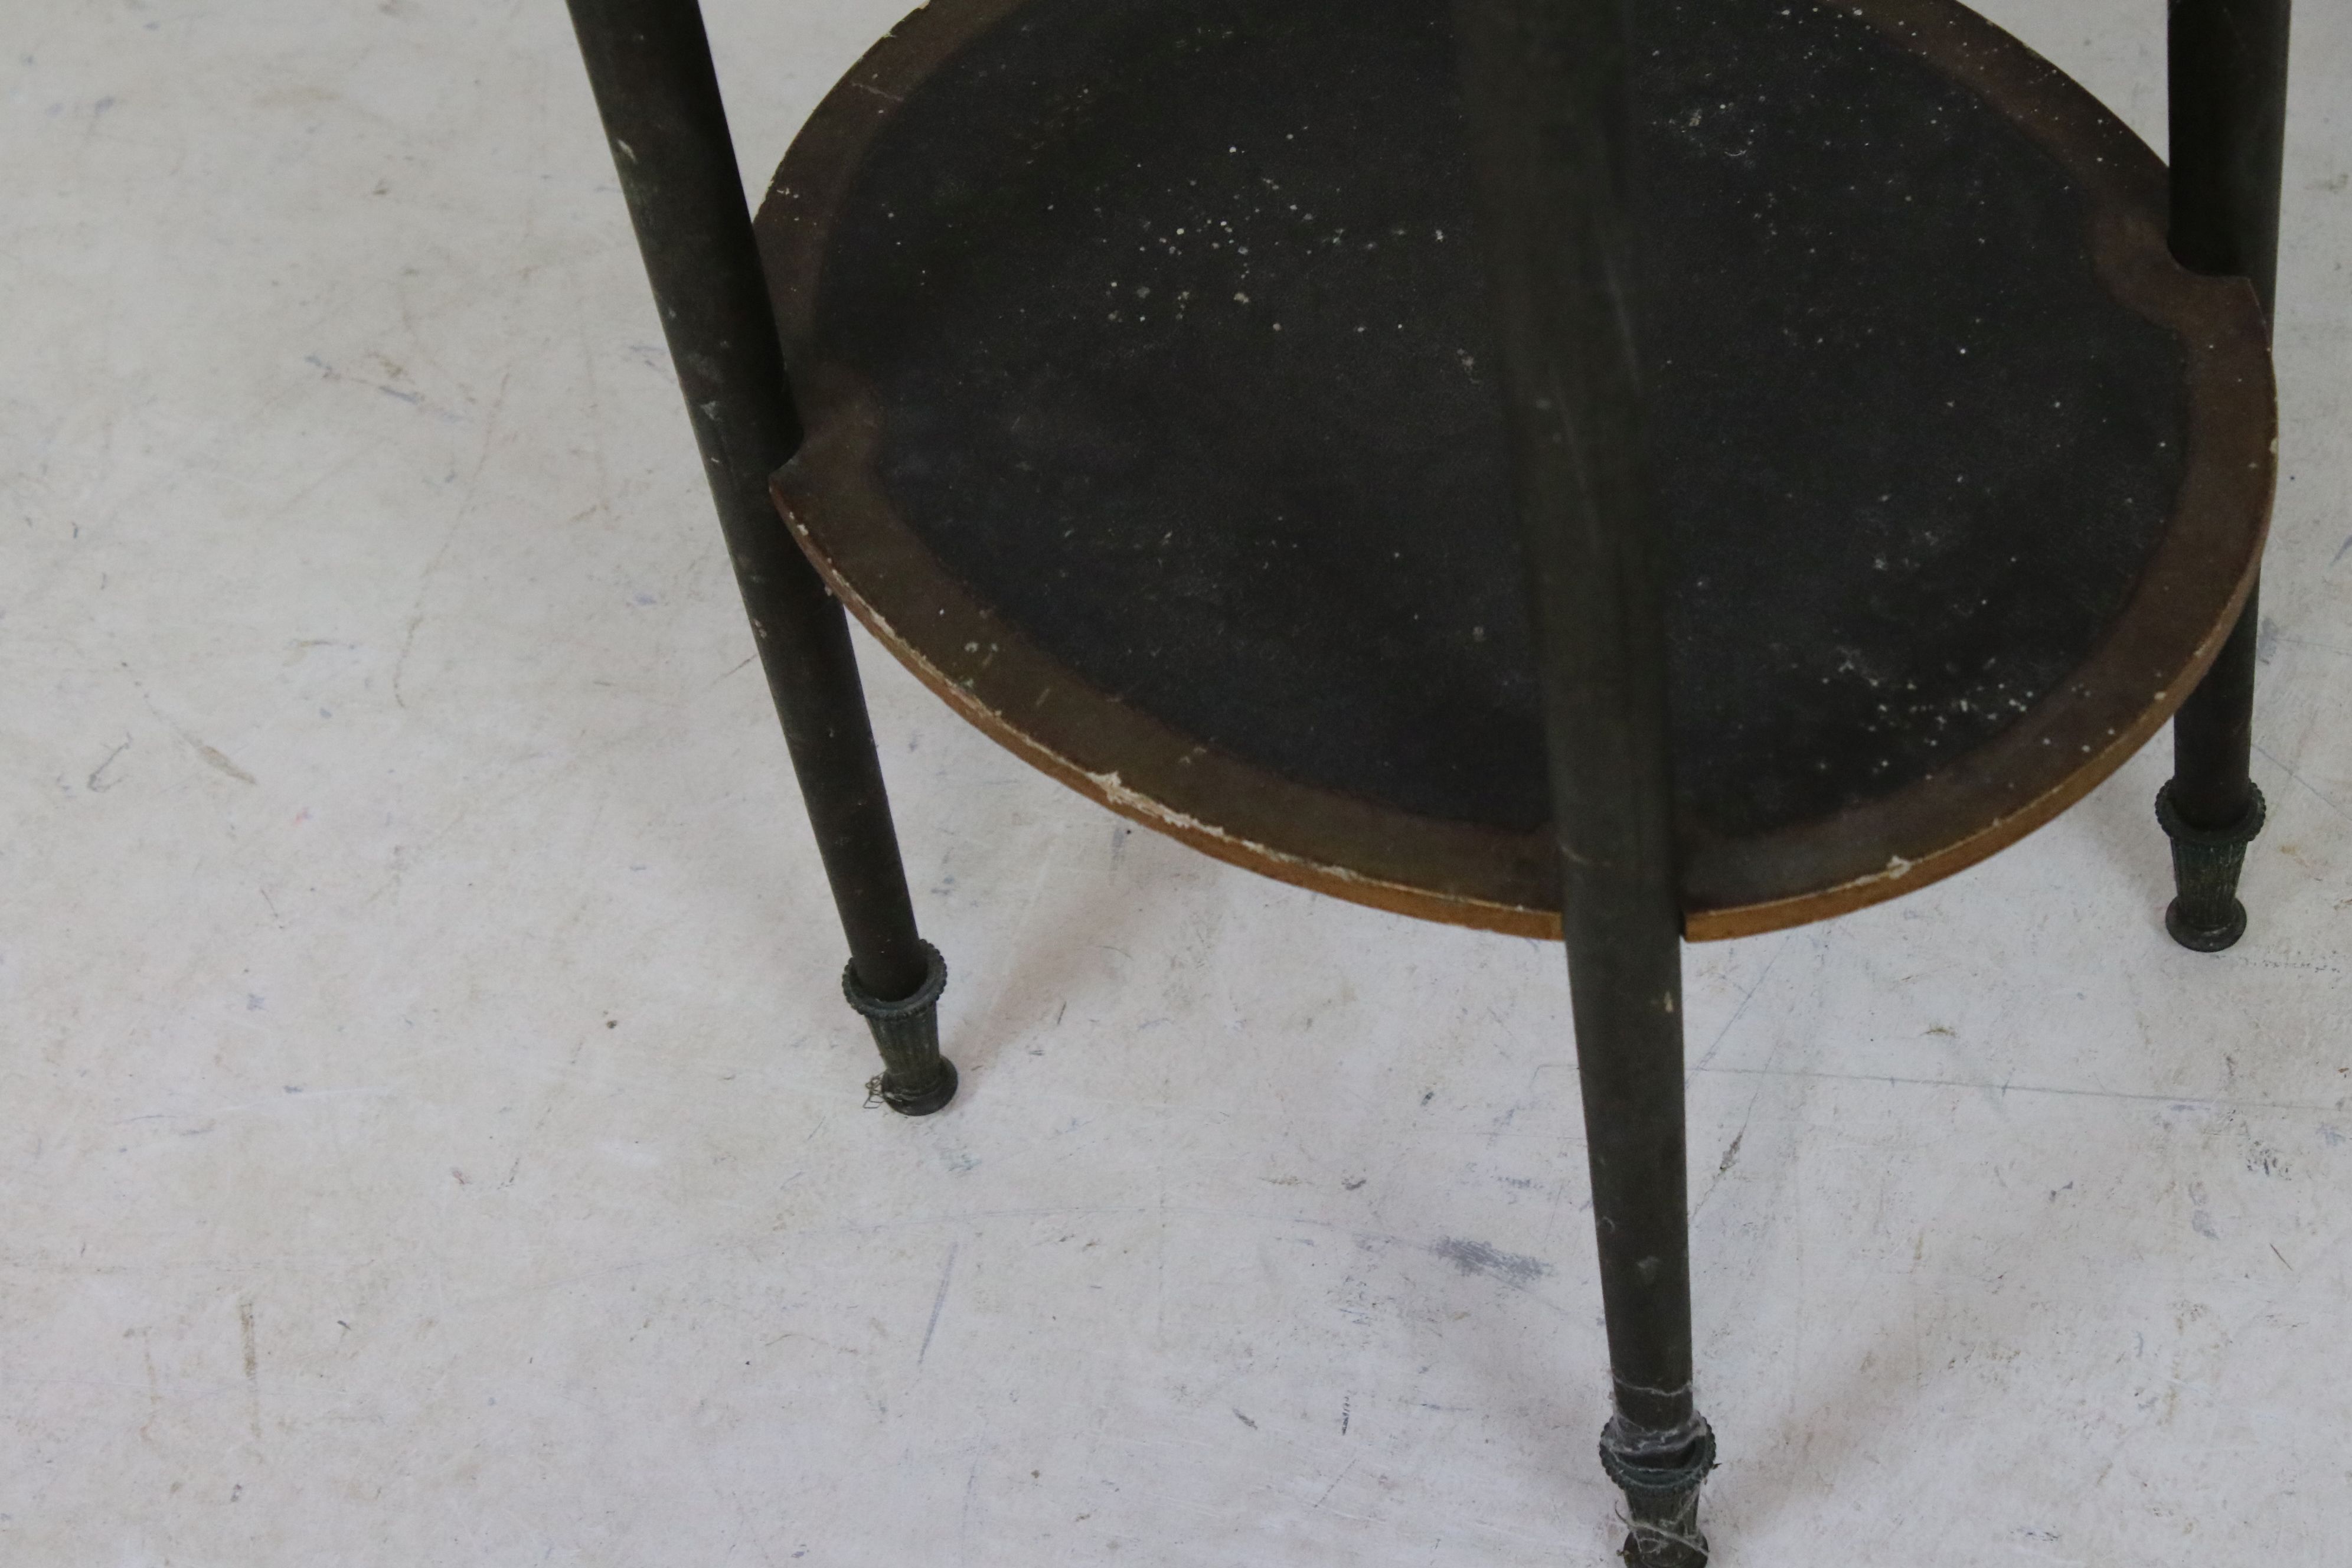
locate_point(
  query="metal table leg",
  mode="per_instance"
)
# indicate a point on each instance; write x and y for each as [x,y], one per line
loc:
[649,63]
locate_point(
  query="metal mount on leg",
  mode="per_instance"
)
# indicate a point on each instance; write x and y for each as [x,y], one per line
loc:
[1660,1474]
[2206,915]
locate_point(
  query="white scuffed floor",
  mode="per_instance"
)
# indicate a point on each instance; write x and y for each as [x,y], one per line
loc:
[433,1131]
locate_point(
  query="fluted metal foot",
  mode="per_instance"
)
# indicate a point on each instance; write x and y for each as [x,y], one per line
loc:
[1660,1473]
[915,1080]
[2205,915]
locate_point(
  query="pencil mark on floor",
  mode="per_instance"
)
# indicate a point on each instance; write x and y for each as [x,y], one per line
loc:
[1746,997]
[939,1302]
[2184,1100]
[219,760]
[99,773]
[252,1364]
[970,1495]
[212,755]
[1334,1487]
[2306,784]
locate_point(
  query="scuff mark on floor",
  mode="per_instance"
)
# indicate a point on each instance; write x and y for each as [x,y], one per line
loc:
[1479,1257]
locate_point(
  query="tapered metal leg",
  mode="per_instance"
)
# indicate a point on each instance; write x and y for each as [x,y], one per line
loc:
[649,63]
[2229,75]
[1544,82]
[1628,1048]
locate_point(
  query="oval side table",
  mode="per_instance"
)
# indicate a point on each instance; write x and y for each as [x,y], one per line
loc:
[1625,470]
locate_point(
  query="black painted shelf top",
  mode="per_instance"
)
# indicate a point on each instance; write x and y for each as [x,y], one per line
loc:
[1146,362]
